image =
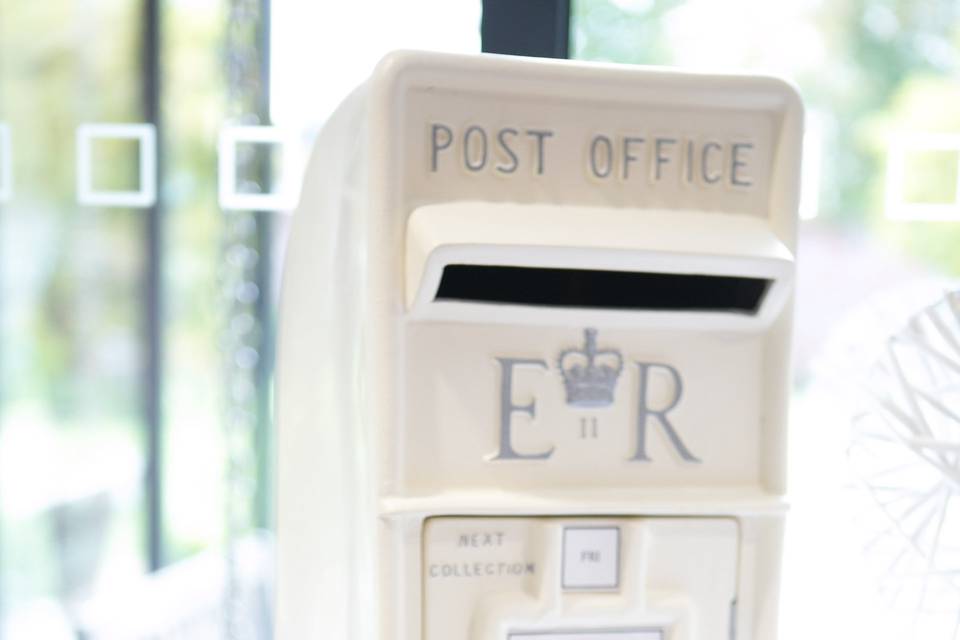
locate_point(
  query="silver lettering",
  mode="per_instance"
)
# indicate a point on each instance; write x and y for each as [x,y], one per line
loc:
[482,569]
[709,178]
[502,140]
[736,164]
[659,157]
[436,146]
[540,135]
[474,166]
[689,162]
[627,156]
[507,409]
[660,415]
[608,162]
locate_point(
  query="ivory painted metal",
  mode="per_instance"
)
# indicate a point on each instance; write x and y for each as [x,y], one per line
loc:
[533,361]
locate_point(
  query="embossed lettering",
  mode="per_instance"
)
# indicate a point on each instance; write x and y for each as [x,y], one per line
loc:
[664,159]
[480,154]
[505,146]
[705,173]
[540,135]
[627,156]
[607,156]
[660,157]
[737,163]
[508,408]
[646,413]
[688,163]
[436,145]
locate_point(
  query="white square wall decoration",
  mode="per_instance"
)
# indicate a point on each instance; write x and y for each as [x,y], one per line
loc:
[6,164]
[146,193]
[897,205]
[283,196]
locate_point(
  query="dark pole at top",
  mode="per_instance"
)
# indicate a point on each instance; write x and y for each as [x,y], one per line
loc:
[153,294]
[538,28]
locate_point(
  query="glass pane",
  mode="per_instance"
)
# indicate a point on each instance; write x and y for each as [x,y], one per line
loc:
[194,451]
[138,295]
[71,434]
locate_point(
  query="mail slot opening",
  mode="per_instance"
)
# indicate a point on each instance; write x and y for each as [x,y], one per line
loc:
[601,289]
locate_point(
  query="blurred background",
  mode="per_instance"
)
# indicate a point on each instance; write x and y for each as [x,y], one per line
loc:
[150,153]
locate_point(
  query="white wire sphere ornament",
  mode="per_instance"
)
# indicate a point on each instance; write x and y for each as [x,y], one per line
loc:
[905,455]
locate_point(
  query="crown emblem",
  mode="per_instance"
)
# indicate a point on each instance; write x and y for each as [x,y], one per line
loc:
[590,374]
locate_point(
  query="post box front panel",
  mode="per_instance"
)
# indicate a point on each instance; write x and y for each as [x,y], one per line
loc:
[579,578]
[526,407]
[451,472]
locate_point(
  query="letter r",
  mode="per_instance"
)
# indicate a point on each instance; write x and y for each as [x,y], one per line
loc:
[645,413]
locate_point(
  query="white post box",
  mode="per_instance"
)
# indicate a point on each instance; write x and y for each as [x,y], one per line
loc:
[533,365]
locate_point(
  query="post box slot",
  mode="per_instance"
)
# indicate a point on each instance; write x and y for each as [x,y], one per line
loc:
[601,289]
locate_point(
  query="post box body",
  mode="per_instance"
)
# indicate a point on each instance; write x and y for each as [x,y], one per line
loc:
[533,359]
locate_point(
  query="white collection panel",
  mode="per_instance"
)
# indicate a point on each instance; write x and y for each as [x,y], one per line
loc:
[637,578]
